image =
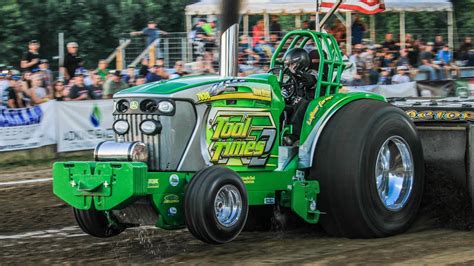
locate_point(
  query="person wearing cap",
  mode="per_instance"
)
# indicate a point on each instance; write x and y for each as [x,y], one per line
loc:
[13,96]
[158,72]
[31,59]
[401,76]
[46,74]
[72,60]
[129,75]
[114,84]
[79,91]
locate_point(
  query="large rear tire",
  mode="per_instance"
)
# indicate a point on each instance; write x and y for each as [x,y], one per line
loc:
[216,205]
[96,223]
[369,164]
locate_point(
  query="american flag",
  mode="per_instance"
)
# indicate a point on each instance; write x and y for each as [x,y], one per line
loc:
[363,6]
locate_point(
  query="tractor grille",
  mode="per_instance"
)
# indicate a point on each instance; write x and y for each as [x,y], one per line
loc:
[166,149]
[134,134]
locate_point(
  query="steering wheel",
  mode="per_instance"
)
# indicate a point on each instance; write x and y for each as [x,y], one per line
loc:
[288,83]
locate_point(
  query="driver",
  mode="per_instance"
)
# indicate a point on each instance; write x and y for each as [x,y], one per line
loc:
[299,89]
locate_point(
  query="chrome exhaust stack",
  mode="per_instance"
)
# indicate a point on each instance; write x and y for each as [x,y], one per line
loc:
[229,44]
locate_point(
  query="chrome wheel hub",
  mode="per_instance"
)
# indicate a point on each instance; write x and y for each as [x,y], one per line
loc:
[394,173]
[228,205]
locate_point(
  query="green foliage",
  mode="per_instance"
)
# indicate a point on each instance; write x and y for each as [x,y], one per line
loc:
[98,24]
[95,24]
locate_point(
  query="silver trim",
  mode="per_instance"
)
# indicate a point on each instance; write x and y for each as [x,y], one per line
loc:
[394,173]
[228,206]
[229,66]
[121,151]
[306,155]
[200,124]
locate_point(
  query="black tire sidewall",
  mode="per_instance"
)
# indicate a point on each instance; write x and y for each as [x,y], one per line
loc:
[382,220]
[344,165]
[219,230]
[199,205]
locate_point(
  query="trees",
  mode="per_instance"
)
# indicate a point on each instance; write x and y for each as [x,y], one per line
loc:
[95,24]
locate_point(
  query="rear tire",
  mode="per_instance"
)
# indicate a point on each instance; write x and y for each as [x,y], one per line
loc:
[96,223]
[216,205]
[362,136]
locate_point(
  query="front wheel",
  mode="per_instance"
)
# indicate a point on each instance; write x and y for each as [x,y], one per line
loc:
[98,223]
[216,205]
[369,164]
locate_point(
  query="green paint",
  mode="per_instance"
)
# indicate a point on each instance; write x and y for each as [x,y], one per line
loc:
[242,133]
[322,107]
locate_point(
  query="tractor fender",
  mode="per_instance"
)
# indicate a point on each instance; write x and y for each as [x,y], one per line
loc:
[318,114]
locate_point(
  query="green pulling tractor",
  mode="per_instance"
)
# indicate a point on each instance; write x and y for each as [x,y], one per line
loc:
[198,152]
[201,152]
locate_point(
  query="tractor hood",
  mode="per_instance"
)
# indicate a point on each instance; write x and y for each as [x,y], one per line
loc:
[167,87]
[191,87]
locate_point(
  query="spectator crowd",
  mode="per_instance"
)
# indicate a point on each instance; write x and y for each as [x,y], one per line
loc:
[383,63]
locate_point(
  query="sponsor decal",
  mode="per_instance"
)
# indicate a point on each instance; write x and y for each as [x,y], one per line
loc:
[172,211]
[226,90]
[247,137]
[248,179]
[95,116]
[313,113]
[134,105]
[174,180]
[21,116]
[429,115]
[153,183]
[257,94]
[26,128]
[171,199]
[269,200]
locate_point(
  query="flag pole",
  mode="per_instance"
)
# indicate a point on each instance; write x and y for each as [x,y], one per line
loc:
[331,12]
[318,25]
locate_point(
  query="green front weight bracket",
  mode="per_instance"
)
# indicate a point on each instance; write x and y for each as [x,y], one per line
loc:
[100,185]
[304,200]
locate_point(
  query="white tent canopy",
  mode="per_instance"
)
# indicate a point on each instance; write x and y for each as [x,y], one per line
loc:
[211,7]
[300,7]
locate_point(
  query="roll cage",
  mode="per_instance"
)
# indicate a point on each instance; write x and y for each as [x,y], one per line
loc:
[330,65]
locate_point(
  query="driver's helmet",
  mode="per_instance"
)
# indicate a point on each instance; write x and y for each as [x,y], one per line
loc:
[296,59]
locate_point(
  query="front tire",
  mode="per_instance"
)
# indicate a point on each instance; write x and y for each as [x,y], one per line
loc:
[216,205]
[96,223]
[369,164]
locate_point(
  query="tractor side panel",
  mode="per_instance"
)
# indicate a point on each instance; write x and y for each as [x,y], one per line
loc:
[242,125]
[317,115]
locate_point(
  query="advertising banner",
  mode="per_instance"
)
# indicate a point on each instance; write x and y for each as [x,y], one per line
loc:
[397,90]
[82,125]
[26,128]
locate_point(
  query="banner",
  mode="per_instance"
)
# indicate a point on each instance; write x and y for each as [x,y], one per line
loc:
[364,6]
[26,128]
[82,125]
[396,90]
[436,88]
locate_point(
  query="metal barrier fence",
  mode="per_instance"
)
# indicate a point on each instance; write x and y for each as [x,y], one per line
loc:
[179,47]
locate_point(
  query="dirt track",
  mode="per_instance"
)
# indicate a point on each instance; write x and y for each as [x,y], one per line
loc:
[36,227]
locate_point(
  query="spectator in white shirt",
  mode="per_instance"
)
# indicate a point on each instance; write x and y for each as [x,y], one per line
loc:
[401,76]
